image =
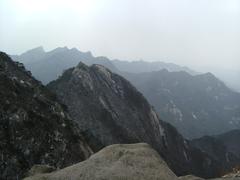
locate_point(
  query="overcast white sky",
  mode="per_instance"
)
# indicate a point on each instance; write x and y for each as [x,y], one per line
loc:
[196,33]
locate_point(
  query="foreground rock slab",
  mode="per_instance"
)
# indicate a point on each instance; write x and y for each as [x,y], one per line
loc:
[115,162]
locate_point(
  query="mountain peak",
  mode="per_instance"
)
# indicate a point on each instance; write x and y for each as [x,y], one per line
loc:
[37,50]
[60,49]
[208,74]
[81,65]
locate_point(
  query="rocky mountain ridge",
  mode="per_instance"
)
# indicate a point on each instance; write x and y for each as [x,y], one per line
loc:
[34,127]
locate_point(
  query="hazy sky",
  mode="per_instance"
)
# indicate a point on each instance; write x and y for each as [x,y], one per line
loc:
[195,33]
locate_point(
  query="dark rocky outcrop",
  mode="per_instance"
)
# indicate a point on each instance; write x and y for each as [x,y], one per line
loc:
[224,148]
[34,127]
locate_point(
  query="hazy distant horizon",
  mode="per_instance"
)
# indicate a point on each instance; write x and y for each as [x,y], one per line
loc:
[165,60]
[202,35]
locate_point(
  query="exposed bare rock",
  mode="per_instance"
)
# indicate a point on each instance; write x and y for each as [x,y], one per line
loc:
[116,162]
[40,169]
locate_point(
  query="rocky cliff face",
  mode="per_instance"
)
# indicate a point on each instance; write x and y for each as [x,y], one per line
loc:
[110,110]
[34,127]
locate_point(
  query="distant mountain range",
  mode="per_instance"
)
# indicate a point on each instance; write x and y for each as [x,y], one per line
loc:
[143,66]
[196,104]
[48,66]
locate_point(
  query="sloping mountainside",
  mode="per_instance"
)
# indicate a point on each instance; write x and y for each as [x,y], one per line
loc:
[127,161]
[196,105]
[47,66]
[34,127]
[110,110]
[143,66]
[225,145]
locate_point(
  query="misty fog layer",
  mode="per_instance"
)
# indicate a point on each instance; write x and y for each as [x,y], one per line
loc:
[203,35]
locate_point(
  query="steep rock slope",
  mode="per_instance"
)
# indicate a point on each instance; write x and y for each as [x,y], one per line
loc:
[196,105]
[110,110]
[125,161]
[47,66]
[224,147]
[34,127]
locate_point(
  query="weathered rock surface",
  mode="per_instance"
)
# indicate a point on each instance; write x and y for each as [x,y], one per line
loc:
[40,169]
[34,127]
[115,162]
